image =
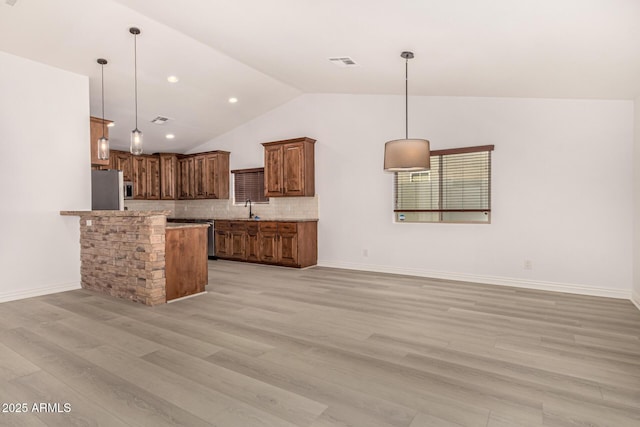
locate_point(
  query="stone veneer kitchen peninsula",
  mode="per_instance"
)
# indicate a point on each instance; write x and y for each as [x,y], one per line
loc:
[131,255]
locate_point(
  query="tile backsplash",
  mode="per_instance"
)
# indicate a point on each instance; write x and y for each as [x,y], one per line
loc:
[277,208]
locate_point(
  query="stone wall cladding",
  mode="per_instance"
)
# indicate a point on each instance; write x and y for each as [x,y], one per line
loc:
[124,256]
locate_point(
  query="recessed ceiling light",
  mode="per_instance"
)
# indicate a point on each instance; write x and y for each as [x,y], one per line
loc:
[233,100]
[173,79]
[170,136]
[112,124]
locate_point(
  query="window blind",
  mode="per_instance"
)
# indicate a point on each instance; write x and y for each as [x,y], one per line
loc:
[249,184]
[457,188]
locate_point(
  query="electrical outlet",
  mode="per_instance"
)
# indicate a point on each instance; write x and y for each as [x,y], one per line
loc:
[528,264]
[89,222]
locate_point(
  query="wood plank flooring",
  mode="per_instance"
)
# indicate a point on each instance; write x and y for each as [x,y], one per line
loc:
[269,346]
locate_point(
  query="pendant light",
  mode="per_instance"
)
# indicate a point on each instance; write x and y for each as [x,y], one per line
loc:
[103,142]
[406,155]
[136,134]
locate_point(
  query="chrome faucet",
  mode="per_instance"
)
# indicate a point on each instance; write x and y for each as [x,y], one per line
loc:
[245,205]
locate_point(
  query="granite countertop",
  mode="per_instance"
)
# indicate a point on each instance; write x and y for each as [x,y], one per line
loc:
[185,225]
[172,219]
[114,213]
[269,219]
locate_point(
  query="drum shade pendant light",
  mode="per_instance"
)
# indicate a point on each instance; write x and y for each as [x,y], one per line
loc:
[103,142]
[406,155]
[136,134]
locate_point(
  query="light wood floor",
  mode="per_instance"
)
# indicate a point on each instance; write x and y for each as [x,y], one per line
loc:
[269,346]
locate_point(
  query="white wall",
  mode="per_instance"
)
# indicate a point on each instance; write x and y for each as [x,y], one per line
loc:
[44,129]
[636,211]
[562,186]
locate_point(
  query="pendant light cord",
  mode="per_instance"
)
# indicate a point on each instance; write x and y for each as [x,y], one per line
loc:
[135,72]
[406,98]
[102,66]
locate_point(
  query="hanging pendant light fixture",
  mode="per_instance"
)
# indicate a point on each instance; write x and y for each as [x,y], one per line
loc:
[406,155]
[136,134]
[103,142]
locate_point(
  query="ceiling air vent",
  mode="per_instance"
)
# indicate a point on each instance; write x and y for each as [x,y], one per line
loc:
[160,120]
[11,2]
[343,61]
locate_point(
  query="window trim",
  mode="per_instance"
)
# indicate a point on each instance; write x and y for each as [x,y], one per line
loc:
[445,152]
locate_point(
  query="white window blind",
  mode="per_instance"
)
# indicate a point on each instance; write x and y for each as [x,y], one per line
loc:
[456,189]
[248,184]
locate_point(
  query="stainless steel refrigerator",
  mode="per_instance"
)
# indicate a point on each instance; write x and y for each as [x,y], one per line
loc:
[107,190]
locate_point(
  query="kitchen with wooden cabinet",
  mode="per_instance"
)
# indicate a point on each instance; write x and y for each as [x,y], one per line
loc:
[191,179]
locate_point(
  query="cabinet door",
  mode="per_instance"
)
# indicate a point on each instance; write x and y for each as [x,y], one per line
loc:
[139,177]
[168,176]
[238,238]
[273,170]
[268,250]
[222,243]
[153,178]
[200,171]
[288,243]
[211,176]
[122,161]
[186,178]
[252,248]
[293,169]
[222,176]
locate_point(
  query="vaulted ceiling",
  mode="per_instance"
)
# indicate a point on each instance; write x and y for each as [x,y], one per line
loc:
[266,52]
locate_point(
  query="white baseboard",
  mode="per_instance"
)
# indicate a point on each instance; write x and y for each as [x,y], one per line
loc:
[488,280]
[35,292]
[635,298]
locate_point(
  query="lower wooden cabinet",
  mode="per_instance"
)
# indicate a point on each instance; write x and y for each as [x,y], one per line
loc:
[291,244]
[186,269]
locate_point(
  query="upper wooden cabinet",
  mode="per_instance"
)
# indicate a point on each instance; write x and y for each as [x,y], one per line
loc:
[96,133]
[185,178]
[289,168]
[121,160]
[216,175]
[204,176]
[168,176]
[153,177]
[146,177]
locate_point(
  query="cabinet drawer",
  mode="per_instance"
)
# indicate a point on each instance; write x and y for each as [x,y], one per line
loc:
[238,225]
[222,225]
[287,227]
[269,226]
[252,228]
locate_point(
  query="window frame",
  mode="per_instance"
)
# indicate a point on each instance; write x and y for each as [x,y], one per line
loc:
[437,157]
[237,172]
